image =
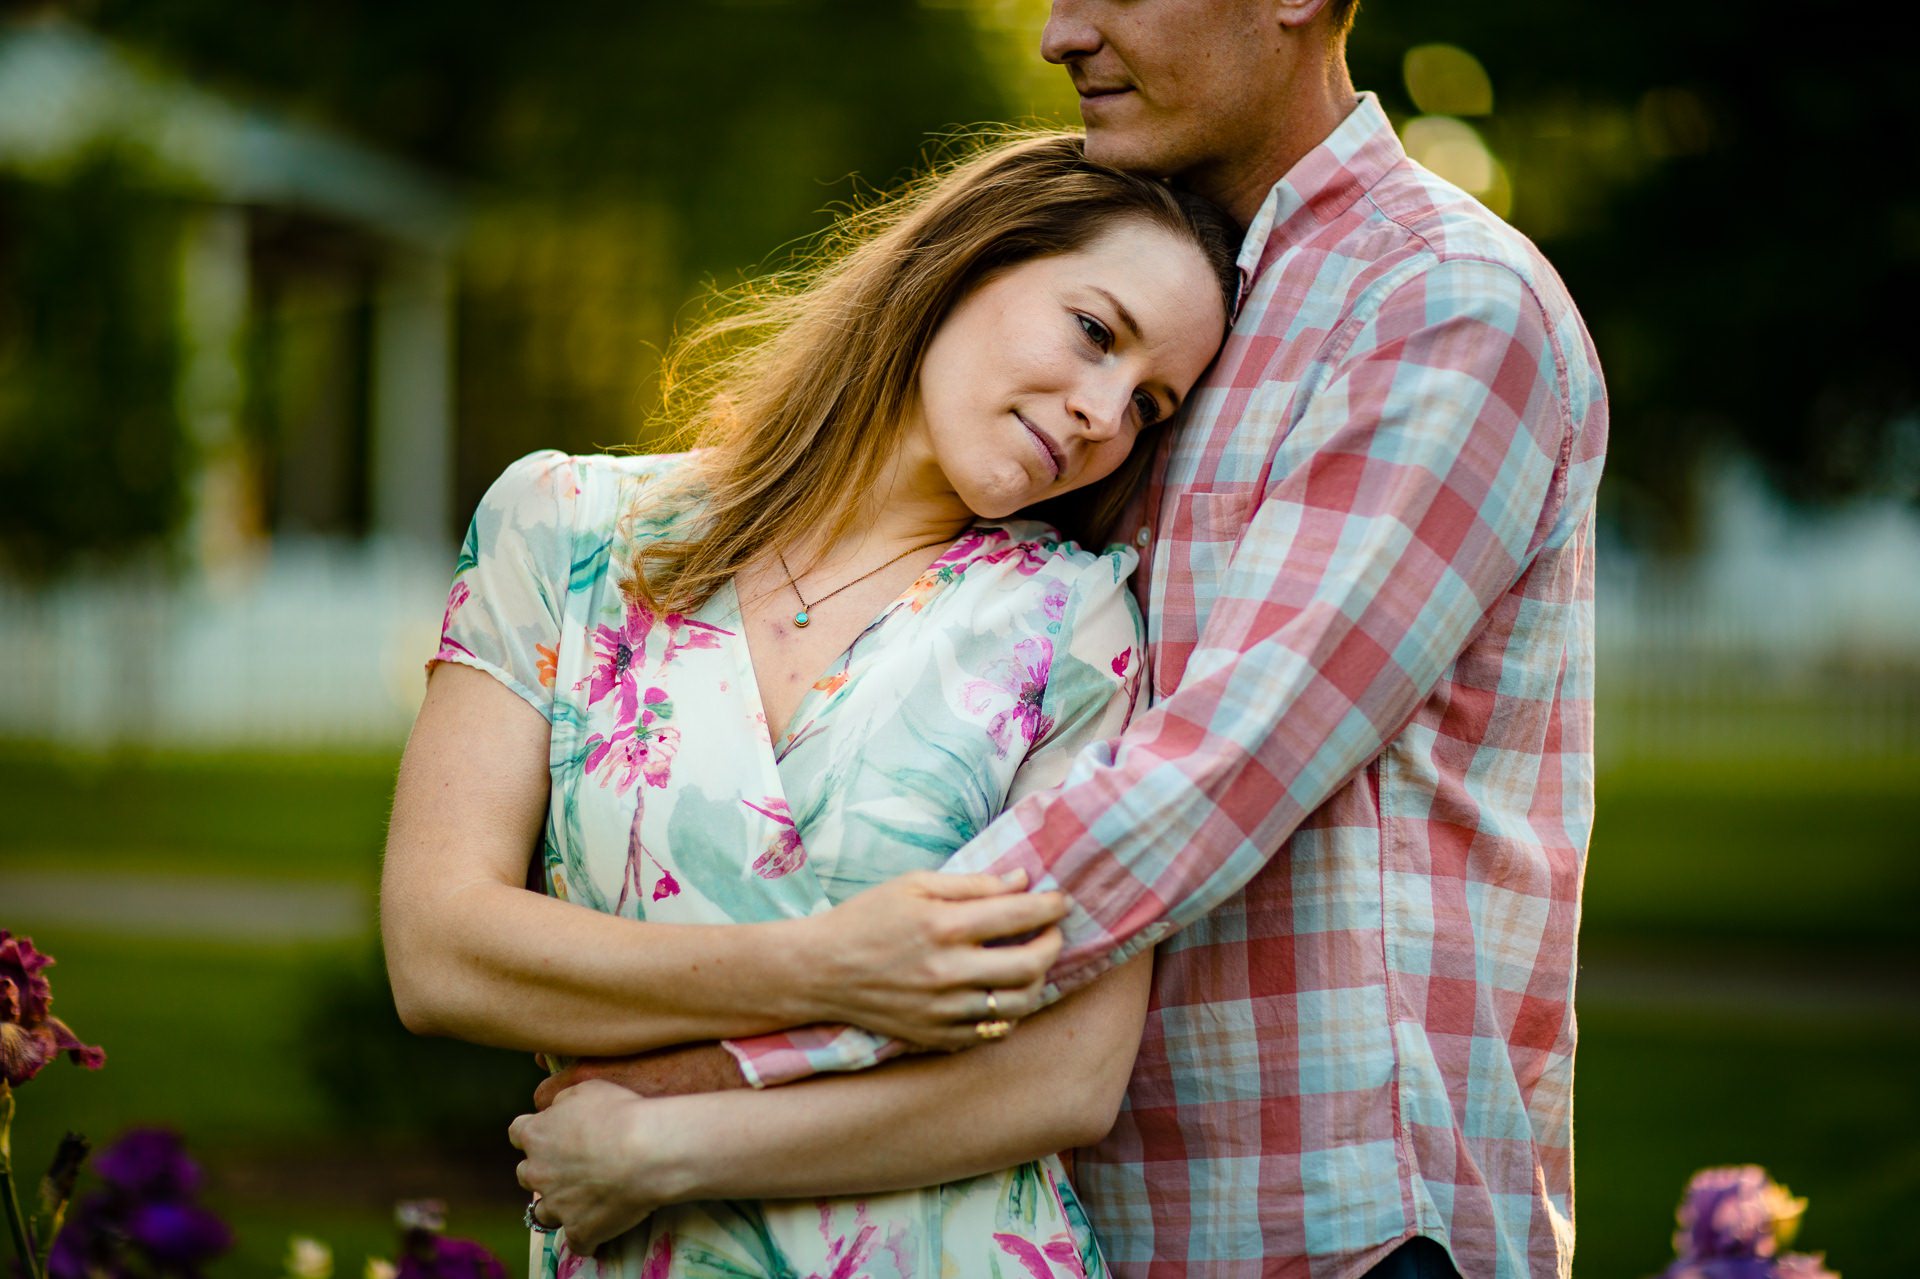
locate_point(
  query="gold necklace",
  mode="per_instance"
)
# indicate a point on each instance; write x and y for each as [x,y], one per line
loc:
[805,615]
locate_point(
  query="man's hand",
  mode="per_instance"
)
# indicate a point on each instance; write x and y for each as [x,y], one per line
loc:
[915,958]
[666,1072]
[585,1162]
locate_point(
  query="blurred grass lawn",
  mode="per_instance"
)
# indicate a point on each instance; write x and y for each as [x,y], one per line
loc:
[1810,864]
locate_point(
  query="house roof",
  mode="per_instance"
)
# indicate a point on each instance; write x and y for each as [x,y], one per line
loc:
[67,94]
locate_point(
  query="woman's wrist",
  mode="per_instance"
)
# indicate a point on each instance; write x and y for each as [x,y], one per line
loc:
[677,1143]
[797,962]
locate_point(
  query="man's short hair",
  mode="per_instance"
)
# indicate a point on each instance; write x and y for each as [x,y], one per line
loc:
[1342,12]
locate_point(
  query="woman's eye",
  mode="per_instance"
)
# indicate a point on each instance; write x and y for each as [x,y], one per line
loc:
[1147,407]
[1097,333]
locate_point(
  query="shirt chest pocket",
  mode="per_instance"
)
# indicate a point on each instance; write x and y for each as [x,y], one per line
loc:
[1196,547]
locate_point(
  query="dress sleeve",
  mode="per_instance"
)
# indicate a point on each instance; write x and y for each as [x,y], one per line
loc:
[1086,631]
[510,582]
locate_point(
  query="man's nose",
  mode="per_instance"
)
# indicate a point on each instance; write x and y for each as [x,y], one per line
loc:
[1068,34]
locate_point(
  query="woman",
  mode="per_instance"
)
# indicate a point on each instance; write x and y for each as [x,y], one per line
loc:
[749,688]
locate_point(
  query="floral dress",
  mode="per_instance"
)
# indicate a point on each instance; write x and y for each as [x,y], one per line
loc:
[671,802]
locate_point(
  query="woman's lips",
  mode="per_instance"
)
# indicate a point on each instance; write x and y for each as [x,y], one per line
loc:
[1049,451]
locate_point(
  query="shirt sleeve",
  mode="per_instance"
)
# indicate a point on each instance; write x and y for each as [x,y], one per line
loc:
[1086,628]
[510,583]
[1408,497]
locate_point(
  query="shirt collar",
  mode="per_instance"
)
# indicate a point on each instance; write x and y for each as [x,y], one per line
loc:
[1323,184]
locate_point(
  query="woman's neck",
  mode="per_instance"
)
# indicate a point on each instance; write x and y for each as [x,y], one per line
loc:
[911,504]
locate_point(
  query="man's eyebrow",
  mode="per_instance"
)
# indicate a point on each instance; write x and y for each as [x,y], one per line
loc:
[1126,316]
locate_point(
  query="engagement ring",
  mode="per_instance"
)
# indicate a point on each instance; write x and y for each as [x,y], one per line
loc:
[533,1222]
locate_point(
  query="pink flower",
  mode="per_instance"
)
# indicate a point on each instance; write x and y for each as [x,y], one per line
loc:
[1028,557]
[844,1256]
[618,652]
[784,854]
[1022,679]
[631,755]
[30,1035]
[659,1262]
[683,633]
[667,886]
[1054,602]
[1124,660]
[455,598]
[633,878]
[1064,1252]
[1023,1251]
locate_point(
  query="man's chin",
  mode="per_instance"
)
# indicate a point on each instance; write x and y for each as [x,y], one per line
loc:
[1135,150]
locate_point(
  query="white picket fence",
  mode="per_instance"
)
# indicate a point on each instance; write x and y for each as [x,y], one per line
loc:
[321,648]
[1803,666]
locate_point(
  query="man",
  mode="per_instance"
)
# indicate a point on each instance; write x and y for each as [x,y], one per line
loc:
[1364,789]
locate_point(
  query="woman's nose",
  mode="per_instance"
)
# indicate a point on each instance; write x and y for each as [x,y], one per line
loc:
[1099,408]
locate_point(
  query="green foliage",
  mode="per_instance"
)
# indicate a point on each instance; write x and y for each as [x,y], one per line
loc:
[619,156]
[92,455]
[377,1080]
[290,818]
[1729,208]
[1722,201]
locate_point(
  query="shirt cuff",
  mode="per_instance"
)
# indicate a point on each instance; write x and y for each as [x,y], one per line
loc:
[766,1061]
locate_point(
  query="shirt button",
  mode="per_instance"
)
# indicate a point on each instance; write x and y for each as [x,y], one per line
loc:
[1144,536]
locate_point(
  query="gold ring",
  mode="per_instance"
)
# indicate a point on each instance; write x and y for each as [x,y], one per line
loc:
[997,1028]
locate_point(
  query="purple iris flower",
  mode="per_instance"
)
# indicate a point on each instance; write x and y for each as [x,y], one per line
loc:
[143,1221]
[1733,1223]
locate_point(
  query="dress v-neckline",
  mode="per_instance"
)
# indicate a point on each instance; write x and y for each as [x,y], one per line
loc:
[750,672]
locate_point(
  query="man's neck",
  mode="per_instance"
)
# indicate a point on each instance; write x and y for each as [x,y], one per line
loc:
[1320,97]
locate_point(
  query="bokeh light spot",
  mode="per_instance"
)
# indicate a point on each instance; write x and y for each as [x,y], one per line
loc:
[1674,122]
[1444,79]
[1454,150]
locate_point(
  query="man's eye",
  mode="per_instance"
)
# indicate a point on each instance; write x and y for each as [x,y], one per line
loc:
[1099,334]
[1147,407]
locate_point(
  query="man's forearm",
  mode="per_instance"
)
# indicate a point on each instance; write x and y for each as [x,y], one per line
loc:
[1054,1084]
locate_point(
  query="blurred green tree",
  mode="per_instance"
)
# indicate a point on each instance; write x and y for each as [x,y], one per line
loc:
[1723,198]
[1727,194]
[619,155]
[92,455]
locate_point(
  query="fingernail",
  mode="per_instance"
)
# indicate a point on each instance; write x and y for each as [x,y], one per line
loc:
[1014,878]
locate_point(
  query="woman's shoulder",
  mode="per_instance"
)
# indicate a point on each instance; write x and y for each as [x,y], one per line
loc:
[1018,548]
[584,491]
[1065,611]
[1021,576]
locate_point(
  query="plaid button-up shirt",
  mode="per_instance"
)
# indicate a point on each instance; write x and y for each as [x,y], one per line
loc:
[1363,792]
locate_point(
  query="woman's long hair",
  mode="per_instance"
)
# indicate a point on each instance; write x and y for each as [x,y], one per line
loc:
[794,393]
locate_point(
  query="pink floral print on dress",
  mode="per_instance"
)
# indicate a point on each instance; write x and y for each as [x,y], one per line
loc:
[1022,679]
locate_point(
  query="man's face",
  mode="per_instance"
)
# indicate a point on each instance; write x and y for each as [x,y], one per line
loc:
[1172,86]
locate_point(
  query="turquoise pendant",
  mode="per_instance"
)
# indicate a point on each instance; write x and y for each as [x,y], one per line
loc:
[800,618]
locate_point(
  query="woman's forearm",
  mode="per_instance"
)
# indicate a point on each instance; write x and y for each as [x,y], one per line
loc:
[1056,1083]
[498,965]
[475,956]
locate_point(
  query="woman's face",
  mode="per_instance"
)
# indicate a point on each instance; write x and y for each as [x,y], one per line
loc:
[1041,379]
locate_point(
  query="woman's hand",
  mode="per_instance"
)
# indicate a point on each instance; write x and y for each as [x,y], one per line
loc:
[594,1176]
[910,958]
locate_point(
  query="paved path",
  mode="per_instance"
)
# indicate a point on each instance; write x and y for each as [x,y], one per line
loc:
[222,907]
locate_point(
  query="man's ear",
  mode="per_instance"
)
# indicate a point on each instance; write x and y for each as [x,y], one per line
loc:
[1297,13]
